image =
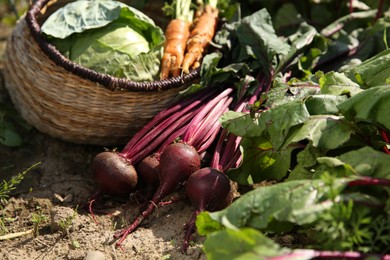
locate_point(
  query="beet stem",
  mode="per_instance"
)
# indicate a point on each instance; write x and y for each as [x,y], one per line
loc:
[149,139]
[227,153]
[145,147]
[368,181]
[379,10]
[226,140]
[257,92]
[210,127]
[350,6]
[199,117]
[233,162]
[145,136]
[206,143]
[215,161]
[384,135]
[203,126]
[162,115]
[231,152]
[172,138]
[346,255]
[316,254]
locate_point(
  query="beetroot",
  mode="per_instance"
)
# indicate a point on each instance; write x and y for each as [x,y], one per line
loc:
[165,127]
[148,171]
[199,112]
[208,189]
[114,174]
[161,131]
[177,162]
[195,121]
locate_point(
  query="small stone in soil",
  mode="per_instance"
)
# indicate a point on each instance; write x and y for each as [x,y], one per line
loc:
[95,255]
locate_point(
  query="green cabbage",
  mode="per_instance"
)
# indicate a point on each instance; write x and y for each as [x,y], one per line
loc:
[108,37]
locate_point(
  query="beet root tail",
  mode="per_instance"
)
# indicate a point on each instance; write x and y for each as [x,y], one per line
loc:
[190,229]
[125,232]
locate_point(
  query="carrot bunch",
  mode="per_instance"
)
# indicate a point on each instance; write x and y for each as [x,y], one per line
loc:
[201,36]
[176,36]
[187,38]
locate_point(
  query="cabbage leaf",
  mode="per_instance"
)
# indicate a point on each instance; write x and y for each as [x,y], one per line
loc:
[108,37]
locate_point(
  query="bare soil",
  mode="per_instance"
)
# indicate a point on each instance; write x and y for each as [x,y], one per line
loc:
[58,190]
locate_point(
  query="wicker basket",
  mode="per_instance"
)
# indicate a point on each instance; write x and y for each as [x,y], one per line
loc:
[73,103]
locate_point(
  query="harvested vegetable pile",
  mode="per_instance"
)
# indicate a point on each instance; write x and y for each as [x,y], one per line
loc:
[286,134]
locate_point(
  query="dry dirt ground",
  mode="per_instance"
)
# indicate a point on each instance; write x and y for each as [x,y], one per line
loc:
[52,198]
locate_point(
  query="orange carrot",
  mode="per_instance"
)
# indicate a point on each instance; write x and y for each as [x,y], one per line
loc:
[200,37]
[176,36]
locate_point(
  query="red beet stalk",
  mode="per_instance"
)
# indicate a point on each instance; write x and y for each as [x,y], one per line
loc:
[369,181]
[204,127]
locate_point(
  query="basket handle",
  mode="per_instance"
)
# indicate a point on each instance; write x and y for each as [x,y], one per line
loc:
[112,83]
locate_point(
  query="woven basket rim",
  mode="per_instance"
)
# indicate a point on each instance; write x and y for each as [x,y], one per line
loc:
[111,82]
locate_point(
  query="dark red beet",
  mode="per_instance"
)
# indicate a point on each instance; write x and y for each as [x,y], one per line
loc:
[114,174]
[148,171]
[177,162]
[208,189]
[165,127]
[148,174]
[200,113]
